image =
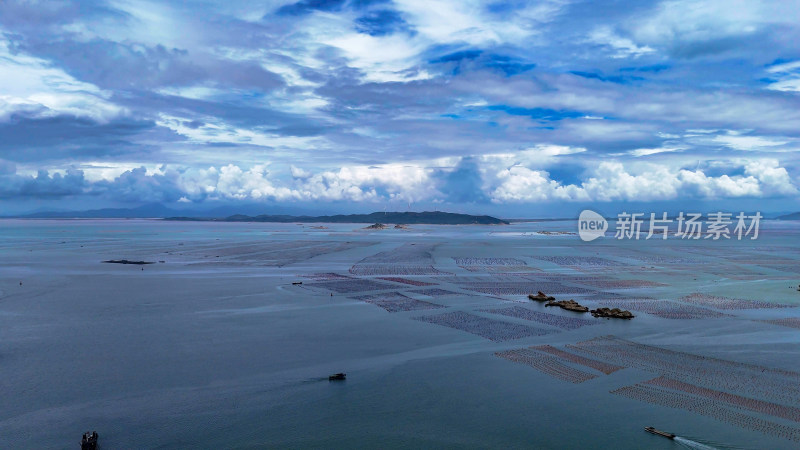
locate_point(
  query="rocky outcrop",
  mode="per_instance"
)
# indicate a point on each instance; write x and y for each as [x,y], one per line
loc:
[569,305]
[614,313]
[541,297]
[375,226]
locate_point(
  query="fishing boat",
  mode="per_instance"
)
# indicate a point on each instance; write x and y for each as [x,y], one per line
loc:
[89,441]
[337,377]
[659,432]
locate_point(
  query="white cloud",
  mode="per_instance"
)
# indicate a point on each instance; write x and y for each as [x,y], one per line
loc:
[361,183]
[738,142]
[784,67]
[218,132]
[622,47]
[36,86]
[521,184]
[612,181]
[653,151]
[788,74]
[774,179]
[693,20]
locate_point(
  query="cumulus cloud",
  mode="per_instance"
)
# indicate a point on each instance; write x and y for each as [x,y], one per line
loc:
[612,181]
[441,101]
[474,179]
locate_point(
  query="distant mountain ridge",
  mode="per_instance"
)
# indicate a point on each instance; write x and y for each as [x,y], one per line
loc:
[426,217]
[156,210]
[792,216]
[141,212]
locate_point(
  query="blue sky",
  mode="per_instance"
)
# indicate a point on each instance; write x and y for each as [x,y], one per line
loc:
[517,108]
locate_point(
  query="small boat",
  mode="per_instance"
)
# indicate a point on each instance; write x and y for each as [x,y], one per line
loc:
[337,377]
[89,441]
[297,282]
[659,432]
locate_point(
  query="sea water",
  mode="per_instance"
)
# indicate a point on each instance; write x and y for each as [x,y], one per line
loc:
[215,347]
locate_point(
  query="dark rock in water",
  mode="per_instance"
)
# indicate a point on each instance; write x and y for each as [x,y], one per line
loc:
[541,297]
[401,226]
[89,441]
[569,305]
[375,226]
[125,261]
[615,313]
[337,377]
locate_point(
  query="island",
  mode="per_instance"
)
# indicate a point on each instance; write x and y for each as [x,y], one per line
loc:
[404,218]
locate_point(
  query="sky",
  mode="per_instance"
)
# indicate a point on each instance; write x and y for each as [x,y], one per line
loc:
[515,108]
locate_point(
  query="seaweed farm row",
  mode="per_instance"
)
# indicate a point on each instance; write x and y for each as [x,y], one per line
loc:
[581,261]
[546,364]
[793,322]
[523,287]
[434,292]
[663,308]
[600,366]
[396,302]
[737,378]
[493,330]
[408,259]
[563,322]
[394,269]
[489,262]
[349,285]
[494,265]
[728,303]
[621,284]
[707,407]
[272,253]
[407,281]
[760,406]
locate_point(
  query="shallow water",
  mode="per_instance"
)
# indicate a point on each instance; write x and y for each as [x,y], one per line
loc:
[215,347]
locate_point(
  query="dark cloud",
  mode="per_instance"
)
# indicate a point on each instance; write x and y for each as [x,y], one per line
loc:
[463,184]
[39,139]
[125,66]
[43,185]
[137,185]
[24,13]
[381,23]
[609,78]
[308,6]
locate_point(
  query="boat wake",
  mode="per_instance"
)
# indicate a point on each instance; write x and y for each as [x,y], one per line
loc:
[688,443]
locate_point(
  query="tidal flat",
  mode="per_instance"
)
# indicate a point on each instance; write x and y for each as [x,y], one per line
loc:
[227,338]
